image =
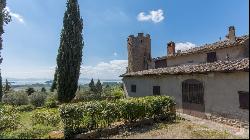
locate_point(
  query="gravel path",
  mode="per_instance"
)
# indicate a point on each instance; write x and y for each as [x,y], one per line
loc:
[189,128]
[242,132]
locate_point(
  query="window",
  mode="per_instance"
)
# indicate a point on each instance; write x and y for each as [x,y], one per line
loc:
[133,88]
[211,57]
[192,91]
[156,90]
[244,99]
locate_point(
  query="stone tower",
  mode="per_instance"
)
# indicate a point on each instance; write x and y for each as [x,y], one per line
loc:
[139,53]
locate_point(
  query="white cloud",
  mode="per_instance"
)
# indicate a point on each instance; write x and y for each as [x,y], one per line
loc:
[115,53]
[17,16]
[184,46]
[103,70]
[155,16]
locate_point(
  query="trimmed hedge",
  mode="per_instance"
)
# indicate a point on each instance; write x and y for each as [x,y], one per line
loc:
[47,117]
[82,117]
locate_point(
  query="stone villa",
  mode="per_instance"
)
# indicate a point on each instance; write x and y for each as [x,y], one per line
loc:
[210,81]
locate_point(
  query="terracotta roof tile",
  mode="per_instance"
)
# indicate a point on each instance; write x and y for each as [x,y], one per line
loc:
[209,47]
[218,66]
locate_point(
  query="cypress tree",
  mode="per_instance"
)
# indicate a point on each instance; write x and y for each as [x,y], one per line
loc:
[7,86]
[92,86]
[99,87]
[69,56]
[53,86]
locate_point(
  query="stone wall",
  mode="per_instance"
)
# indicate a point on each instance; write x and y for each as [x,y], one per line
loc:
[220,90]
[222,54]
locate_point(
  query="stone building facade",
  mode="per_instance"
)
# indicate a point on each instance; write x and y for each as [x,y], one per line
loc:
[211,81]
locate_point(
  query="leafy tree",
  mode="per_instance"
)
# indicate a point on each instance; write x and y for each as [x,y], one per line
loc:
[92,86]
[29,91]
[107,86]
[43,89]
[69,56]
[99,87]
[53,86]
[5,18]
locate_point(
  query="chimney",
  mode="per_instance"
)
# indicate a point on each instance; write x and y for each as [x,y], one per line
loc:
[171,48]
[231,35]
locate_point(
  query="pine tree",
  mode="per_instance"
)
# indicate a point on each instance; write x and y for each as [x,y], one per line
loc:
[69,56]
[53,86]
[92,86]
[99,87]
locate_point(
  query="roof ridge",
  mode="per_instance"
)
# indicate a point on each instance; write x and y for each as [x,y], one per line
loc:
[218,66]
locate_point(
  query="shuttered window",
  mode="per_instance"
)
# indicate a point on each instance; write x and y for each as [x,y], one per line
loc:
[156,90]
[244,99]
[211,57]
[133,88]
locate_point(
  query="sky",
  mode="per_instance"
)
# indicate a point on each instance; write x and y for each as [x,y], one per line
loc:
[31,40]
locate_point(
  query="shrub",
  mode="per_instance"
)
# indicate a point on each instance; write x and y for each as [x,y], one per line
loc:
[36,132]
[131,109]
[25,108]
[37,99]
[51,102]
[71,115]
[96,114]
[16,98]
[10,118]
[48,117]
[29,91]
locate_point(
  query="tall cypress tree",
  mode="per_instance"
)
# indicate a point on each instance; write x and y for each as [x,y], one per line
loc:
[92,85]
[69,56]
[99,87]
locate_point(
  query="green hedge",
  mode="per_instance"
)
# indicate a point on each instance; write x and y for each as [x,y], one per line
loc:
[82,117]
[47,117]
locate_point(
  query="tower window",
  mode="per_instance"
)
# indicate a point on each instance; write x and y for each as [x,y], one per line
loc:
[133,88]
[244,99]
[211,57]
[156,90]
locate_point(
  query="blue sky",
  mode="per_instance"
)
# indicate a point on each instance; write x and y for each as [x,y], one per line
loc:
[31,40]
